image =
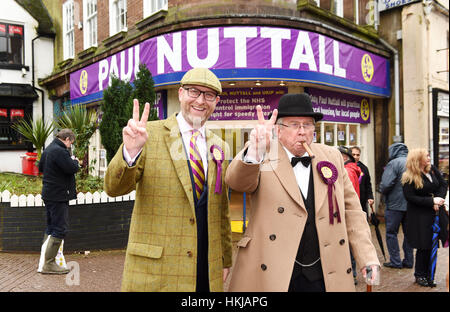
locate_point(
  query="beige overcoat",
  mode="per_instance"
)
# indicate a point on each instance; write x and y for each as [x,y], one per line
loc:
[268,248]
[162,245]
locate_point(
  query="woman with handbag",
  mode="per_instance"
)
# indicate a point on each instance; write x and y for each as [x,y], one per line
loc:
[424,189]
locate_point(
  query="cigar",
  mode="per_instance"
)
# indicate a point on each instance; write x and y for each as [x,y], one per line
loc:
[308,150]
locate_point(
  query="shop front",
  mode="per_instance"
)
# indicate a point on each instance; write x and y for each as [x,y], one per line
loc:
[257,65]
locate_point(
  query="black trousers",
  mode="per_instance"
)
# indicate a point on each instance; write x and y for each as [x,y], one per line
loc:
[302,284]
[57,218]
[422,268]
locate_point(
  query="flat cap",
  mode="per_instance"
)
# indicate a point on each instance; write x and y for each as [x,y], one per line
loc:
[202,77]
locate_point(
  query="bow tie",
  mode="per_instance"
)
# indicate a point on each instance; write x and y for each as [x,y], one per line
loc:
[306,160]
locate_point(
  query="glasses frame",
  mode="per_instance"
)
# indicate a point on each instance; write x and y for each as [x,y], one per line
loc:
[300,125]
[188,89]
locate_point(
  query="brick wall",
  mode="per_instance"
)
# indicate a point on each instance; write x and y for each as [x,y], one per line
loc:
[91,226]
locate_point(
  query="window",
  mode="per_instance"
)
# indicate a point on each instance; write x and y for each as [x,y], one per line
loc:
[335,134]
[68,30]
[9,115]
[337,7]
[11,44]
[153,6]
[117,16]
[90,23]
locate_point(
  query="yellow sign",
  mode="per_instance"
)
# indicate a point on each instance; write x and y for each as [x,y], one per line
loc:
[83,81]
[367,67]
[365,109]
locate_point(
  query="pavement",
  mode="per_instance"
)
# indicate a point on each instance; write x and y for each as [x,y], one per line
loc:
[101,271]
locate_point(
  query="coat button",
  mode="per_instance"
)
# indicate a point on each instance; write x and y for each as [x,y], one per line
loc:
[342,241]
[272,237]
[192,220]
[349,270]
[189,253]
[280,209]
[335,214]
[263,267]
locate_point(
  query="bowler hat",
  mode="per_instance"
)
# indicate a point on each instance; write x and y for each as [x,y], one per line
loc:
[346,151]
[297,105]
[202,77]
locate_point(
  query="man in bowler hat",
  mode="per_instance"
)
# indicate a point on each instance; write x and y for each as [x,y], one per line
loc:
[180,232]
[300,226]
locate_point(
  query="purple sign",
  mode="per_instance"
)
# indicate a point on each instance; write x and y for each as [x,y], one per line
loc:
[240,104]
[340,107]
[246,53]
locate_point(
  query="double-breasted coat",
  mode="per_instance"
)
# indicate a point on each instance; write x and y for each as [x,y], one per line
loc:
[268,248]
[162,245]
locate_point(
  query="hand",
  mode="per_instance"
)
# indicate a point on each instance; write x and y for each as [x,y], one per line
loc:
[436,207]
[134,135]
[438,201]
[370,201]
[261,135]
[374,274]
[226,271]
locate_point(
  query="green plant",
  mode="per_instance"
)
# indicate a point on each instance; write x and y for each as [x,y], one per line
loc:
[83,123]
[36,132]
[117,107]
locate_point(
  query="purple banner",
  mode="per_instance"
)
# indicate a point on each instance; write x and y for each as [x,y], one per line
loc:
[340,107]
[246,53]
[240,104]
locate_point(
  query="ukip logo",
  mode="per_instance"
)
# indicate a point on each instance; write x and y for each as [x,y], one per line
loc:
[83,82]
[367,67]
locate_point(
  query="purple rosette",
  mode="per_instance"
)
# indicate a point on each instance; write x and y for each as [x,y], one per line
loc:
[218,156]
[329,175]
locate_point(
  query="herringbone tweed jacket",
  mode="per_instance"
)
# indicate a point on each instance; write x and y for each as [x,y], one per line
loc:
[162,245]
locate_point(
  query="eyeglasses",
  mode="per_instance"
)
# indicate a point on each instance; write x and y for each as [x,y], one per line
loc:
[194,93]
[297,126]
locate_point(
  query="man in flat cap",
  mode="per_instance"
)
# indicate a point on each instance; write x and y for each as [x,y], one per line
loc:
[180,233]
[305,212]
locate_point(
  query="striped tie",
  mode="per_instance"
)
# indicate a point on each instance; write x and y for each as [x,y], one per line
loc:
[196,164]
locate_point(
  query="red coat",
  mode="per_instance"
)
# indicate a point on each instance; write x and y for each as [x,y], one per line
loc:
[354,172]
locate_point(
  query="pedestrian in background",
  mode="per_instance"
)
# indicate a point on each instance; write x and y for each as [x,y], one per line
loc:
[180,231]
[395,213]
[365,185]
[58,187]
[425,190]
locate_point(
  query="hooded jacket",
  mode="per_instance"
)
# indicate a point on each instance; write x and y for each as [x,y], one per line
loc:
[391,186]
[354,172]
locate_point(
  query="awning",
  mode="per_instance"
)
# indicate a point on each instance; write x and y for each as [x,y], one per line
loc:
[18,90]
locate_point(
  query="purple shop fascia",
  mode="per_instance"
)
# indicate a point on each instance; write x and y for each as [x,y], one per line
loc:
[244,53]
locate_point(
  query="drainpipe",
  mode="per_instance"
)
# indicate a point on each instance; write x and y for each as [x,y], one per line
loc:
[32,75]
[397,137]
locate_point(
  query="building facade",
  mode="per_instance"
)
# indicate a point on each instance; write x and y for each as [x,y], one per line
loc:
[26,34]
[419,31]
[259,49]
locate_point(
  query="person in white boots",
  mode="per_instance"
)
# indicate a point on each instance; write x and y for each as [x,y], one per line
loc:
[58,187]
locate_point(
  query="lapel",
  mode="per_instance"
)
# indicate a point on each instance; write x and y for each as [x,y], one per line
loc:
[281,166]
[320,188]
[174,144]
[211,164]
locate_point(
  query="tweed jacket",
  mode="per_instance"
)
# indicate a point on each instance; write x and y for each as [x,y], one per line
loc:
[268,248]
[162,245]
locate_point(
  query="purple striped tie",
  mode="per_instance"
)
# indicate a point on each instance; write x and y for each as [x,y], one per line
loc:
[196,164]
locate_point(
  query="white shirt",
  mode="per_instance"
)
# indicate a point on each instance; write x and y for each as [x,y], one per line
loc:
[186,134]
[301,173]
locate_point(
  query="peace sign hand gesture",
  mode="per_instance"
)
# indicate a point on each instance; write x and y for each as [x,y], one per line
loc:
[261,135]
[134,135]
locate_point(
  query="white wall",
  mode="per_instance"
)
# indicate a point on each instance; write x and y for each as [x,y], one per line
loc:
[11,12]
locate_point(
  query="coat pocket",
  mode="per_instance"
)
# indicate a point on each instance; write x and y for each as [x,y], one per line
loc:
[145,250]
[244,241]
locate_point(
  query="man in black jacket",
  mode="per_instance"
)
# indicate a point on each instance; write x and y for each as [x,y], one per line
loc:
[58,187]
[365,186]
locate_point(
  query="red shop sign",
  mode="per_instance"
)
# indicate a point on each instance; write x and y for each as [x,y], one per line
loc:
[15,30]
[2,28]
[17,113]
[3,112]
